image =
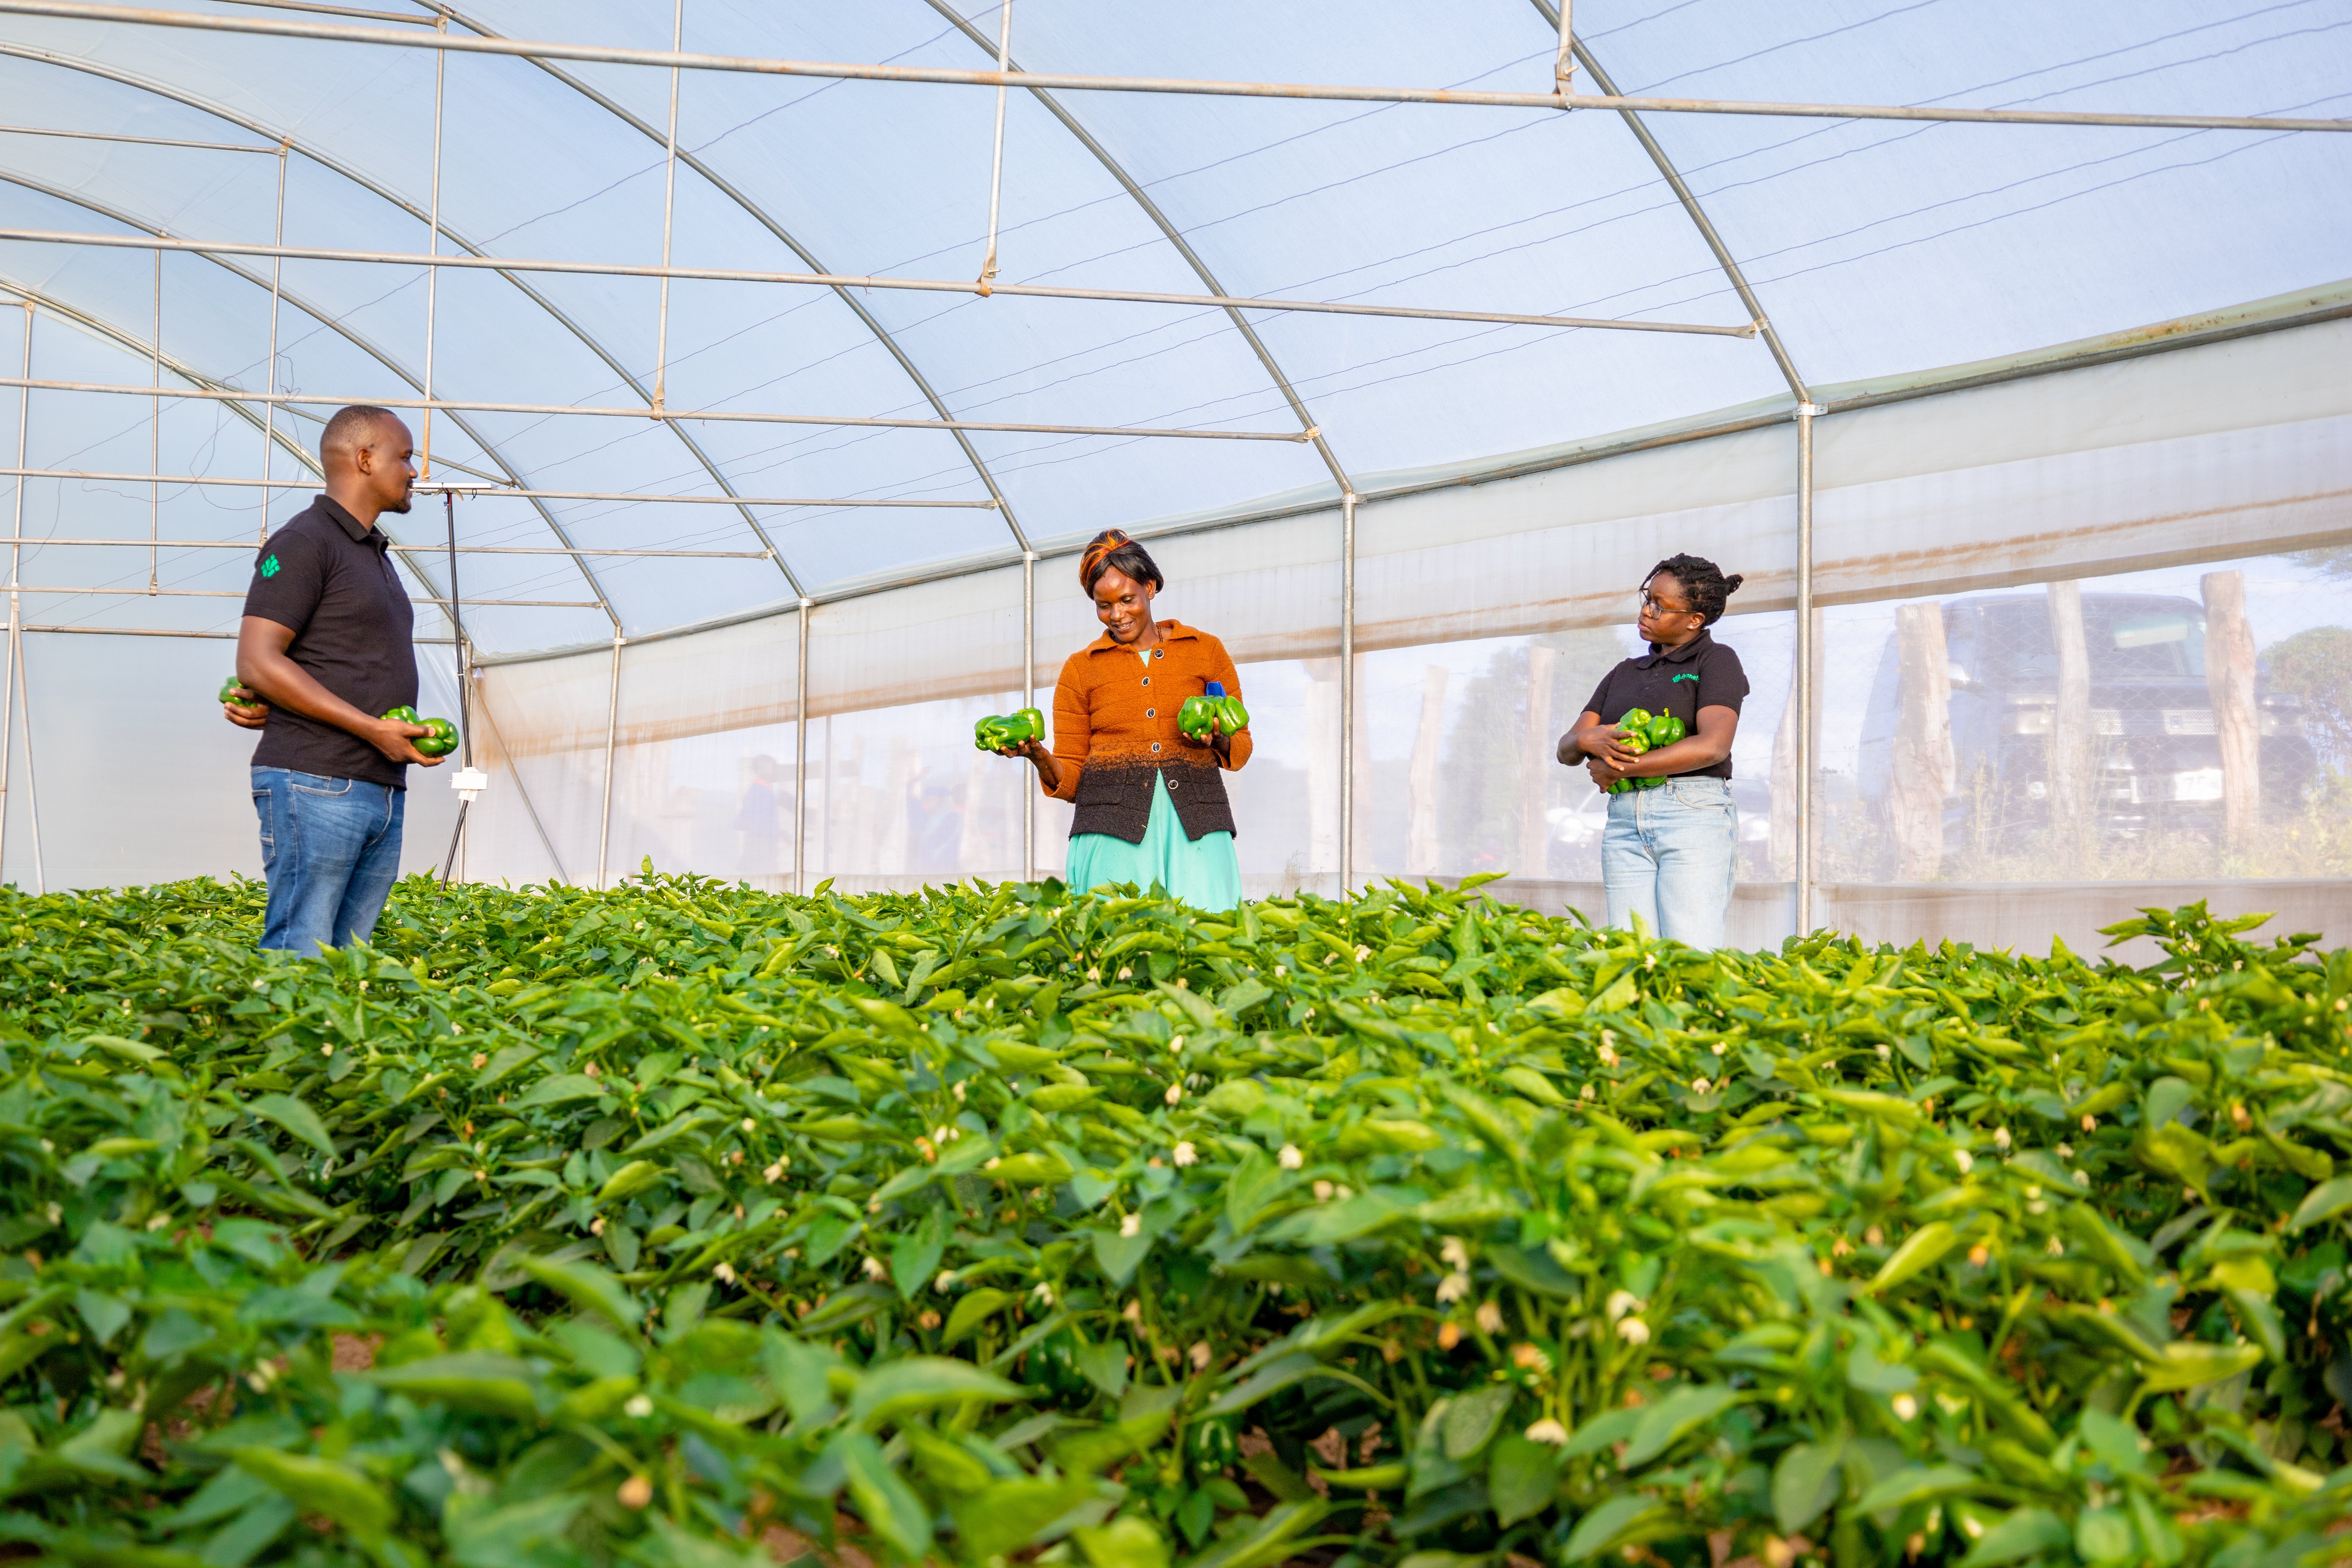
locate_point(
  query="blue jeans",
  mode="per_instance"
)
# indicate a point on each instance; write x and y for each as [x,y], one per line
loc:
[331,849]
[1666,857]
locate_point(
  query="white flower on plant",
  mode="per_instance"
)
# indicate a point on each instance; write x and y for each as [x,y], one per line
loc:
[638,1407]
[1700,1086]
[1548,1431]
[939,1133]
[1200,1355]
[1323,1192]
[1290,1159]
[723,1272]
[1452,1253]
[1489,1318]
[2065,1151]
[959,1092]
[1175,1045]
[1044,1295]
[1634,1331]
[1186,1154]
[1906,1407]
[1175,1094]
[2000,1138]
[1622,1302]
[874,1268]
[2055,1247]
[1126,974]
[1131,1225]
[1608,1054]
[750,1125]
[1453,1288]
[945,1282]
[1964,1160]
[1362,952]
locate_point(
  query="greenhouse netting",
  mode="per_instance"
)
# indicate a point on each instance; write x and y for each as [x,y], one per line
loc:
[766,406]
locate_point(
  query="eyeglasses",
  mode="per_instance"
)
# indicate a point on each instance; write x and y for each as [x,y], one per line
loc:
[1656,605]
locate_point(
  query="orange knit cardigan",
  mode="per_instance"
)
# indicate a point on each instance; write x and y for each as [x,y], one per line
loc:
[1115,734]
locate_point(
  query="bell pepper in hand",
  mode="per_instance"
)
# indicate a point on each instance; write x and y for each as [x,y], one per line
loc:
[404,714]
[1645,731]
[229,690]
[1004,731]
[1233,716]
[1198,716]
[441,741]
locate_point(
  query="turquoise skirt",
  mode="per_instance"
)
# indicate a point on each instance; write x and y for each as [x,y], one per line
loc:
[1203,872]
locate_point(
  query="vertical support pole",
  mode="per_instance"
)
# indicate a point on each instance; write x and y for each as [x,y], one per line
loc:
[799,760]
[1028,700]
[1806,695]
[465,721]
[612,738]
[669,204]
[996,162]
[277,278]
[432,242]
[1564,63]
[1346,692]
[155,433]
[24,716]
[16,553]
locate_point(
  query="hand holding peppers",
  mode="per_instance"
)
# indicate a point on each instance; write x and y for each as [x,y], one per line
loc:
[440,737]
[1214,715]
[1641,732]
[1008,733]
[242,705]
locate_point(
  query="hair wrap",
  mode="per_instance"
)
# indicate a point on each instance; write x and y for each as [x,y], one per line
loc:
[1112,550]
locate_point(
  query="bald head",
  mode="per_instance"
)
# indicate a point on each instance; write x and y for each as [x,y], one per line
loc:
[365,451]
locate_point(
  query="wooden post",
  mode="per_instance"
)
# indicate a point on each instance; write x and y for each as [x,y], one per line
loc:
[1421,837]
[2070,724]
[1536,762]
[2230,682]
[1923,762]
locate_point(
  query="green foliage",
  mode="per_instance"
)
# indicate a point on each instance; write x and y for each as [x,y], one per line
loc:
[570,1229]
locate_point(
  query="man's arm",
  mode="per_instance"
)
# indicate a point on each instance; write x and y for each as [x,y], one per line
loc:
[263,668]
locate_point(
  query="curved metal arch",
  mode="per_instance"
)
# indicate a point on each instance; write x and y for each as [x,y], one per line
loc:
[1175,238]
[335,166]
[1697,214]
[92,203]
[153,352]
[808,258]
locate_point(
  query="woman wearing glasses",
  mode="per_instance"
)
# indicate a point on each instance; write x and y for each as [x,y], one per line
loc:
[1667,853]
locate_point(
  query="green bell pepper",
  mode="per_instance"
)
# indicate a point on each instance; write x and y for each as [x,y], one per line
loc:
[1198,716]
[1000,731]
[1234,716]
[229,690]
[1645,731]
[441,741]
[404,714]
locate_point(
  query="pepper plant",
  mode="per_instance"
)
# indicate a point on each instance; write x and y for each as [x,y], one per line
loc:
[685,1225]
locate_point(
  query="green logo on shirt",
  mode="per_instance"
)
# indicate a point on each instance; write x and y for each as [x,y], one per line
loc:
[1669,683]
[269,567]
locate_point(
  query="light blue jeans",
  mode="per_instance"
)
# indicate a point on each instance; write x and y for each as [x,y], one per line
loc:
[1667,856]
[331,849]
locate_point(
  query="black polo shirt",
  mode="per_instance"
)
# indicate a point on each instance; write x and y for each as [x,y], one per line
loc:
[1701,673]
[333,583]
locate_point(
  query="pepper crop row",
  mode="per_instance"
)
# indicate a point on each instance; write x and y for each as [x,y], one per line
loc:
[687,1226]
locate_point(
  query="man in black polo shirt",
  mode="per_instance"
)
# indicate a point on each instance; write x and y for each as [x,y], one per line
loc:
[324,649]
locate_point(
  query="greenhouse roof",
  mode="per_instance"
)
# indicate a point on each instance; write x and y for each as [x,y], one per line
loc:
[1876,249]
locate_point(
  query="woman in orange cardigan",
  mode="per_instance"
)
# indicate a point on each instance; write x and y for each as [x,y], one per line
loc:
[1151,800]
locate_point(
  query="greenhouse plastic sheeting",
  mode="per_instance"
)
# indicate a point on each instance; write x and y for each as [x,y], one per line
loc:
[2101,357]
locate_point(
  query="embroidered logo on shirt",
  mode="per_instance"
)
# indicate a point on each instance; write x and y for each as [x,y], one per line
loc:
[1682,678]
[269,567]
